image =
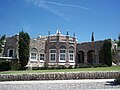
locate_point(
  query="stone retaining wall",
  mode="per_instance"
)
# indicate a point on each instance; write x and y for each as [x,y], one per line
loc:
[59,76]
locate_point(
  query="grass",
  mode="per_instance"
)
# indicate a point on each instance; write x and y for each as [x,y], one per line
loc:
[113,68]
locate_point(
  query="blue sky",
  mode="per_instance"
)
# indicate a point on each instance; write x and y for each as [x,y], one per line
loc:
[77,16]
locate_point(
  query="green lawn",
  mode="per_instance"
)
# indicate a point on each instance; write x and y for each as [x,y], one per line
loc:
[113,68]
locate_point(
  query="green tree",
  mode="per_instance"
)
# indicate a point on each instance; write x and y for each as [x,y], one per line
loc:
[24,41]
[92,38]
[107,52]
[2,38]
[119,40]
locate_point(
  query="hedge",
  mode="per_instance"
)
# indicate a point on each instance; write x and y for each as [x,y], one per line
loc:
[5,65]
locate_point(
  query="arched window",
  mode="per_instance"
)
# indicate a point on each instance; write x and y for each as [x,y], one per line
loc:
[33,54]
[42,55]
[62,54]
[52,54]
[71,54]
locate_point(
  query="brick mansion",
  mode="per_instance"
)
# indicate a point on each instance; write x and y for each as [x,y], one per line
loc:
[56,50]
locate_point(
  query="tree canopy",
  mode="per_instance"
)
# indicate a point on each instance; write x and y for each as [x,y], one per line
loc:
[24,41]
[119,40]
[105,53]
[2,38]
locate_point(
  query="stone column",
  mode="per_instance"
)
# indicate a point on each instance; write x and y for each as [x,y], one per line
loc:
[67,55]
[57,55]
[67,50]
[47,52]
[97,58]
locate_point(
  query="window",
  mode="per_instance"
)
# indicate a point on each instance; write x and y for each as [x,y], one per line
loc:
[33,56]
[62,55]
[10,52]
[52,51]
[52,55]
[42,56]
[71,55]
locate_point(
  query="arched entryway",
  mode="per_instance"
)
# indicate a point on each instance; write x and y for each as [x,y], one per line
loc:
[80,57]
[90,56]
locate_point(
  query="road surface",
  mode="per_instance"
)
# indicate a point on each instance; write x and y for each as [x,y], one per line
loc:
[84,84]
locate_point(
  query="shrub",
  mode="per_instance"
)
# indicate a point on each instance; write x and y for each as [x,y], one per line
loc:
[5,65]
[15,66]
[70,67]
[35,68]
[61,67]
[85,66]
[52,67]
[100,65]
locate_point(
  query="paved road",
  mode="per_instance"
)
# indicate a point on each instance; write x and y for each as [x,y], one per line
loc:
[107,84]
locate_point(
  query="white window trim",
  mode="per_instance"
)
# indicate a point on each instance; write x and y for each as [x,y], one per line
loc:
[50,55]
[44,57]
[9,53]
[62,53]
[33,59]
[73,57]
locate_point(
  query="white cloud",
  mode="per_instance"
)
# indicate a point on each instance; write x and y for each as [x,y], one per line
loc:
[43,4]
[66,5]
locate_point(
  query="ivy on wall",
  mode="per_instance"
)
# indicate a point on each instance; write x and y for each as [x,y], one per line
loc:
[105,55]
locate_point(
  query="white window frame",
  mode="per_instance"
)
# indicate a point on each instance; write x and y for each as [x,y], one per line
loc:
[72,55]
[8,53]
[60,55]
[31,56]
[40,57]
[51,54]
